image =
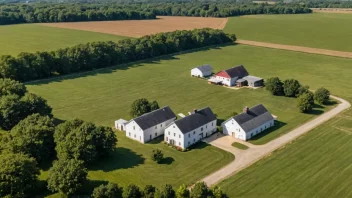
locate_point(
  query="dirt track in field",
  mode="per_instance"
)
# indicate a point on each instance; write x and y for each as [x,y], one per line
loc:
[333,10]
[138,28]
[298,48]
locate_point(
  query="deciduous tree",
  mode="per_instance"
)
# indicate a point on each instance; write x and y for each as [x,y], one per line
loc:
[148,191]
[131,191]
[274,85]
[157,156]
[305,102]
[200,190]
[291,87]
[182,192]
[322,95]
[111,190]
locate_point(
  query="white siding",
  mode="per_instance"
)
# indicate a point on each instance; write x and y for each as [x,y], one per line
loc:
[138,134]
[227,81]
[134,132]
[232,128]
[199,73]
[187,139]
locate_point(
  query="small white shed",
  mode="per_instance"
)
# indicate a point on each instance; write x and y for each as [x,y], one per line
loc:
[120,124]
[202,71]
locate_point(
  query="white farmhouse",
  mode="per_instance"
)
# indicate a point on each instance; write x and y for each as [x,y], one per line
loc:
[249,123]
[202,71]
[150,125]
[191,129]
[229,77]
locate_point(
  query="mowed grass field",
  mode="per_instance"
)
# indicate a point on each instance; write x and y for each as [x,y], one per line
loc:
[317,30]
[131,163]
[105,96]
[15,39]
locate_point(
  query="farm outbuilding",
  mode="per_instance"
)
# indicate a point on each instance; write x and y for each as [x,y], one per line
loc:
[202,71]
[254,81]
[120,124]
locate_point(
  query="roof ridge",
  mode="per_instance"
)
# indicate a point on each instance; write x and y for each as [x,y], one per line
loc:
[151,112]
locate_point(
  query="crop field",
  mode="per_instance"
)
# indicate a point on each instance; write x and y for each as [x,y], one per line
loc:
[138,28]
[15,39]
[106,95]
[317,30]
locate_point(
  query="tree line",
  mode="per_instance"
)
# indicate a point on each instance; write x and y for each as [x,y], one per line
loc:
[42,13]
[89,56]
[292,88]
[329,4]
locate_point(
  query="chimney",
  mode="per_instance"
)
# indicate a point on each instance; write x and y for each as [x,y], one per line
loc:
[245,109]
[194,111]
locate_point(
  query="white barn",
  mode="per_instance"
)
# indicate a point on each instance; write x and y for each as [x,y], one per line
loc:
[202,71]
[191,129]
[150,125]
[249,123]
[229,77]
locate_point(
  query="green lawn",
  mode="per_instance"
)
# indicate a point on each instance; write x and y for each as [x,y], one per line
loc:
[239,146]
[318,30]
[131,163]
[34,37]
[105,96]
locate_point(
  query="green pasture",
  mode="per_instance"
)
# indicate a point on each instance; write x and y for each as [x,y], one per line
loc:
[318,30]
[15,39]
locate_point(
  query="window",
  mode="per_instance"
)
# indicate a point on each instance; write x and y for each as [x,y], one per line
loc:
[189,143]
[140,138]
[194,140]
[129,134]
[134,135]
[161,125]
[156,134]
[179,136]
[169,132]
[189,135]
[174,134]
[194,132]
[167,139]
[134,128]
[174,126]
[156,127]
[201,129]
[212,124]
[179,143]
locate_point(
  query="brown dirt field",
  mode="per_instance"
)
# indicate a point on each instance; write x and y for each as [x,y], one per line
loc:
[138,28]
[298,48]
[333,10]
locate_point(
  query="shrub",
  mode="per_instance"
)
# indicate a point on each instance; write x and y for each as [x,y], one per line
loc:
[131,191]
[274,85]
[291,87]
[111,190]
[157,156]
[305,102]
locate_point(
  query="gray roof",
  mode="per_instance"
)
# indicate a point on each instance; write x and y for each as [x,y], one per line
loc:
[252,78]
[253,118]
[238,71]
[195,120]
[241,80]
[155,117]
[205,68]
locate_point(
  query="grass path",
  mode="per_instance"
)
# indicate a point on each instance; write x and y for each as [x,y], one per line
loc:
[297,48]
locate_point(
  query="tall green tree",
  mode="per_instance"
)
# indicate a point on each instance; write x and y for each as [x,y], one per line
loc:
[66,176]
[154,105]
[140,107]
[157,156]
[274,85]
[148,191]
[18,173]
[131,191]
[305,102]
[200,190]
[111,190]
[291,87]
[165,191]
[9,87]
[322,95]
[76,139]
[33,136]
[182,192]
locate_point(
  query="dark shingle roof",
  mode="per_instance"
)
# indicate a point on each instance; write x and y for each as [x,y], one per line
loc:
[153,118]
[254,117]
[193,121]
[205,68]
[238,71]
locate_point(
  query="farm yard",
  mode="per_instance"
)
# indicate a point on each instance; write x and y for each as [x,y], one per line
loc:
[133,28]
[32,37]
[105,96]
[318,30]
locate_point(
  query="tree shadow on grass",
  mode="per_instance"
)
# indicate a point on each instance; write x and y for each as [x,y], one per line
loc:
[167,160]
[121,158]
[317,110]
[124,66]
[278,125]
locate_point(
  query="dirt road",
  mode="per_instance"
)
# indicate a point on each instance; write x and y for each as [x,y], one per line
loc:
[298,48]
[256,152]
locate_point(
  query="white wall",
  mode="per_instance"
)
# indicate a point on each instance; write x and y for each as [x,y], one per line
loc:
[227,81]
[138,134]
[231,126]
[197,72]
[187,139]
[134,132]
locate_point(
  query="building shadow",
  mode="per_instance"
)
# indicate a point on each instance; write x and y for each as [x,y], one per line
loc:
[278,125]
[198,145]
[121,158]
[157,140]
